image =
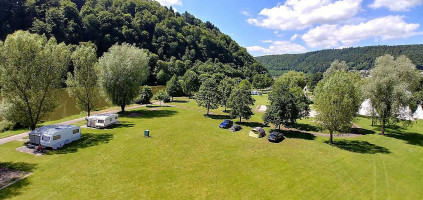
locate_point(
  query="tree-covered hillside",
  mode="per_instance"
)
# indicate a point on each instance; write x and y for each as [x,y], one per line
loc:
[167,34]
[357,58]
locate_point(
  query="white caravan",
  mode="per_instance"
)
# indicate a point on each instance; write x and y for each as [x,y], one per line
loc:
[102,120]
[55,136]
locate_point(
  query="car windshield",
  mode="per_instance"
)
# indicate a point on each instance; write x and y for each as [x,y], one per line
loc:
[226,121]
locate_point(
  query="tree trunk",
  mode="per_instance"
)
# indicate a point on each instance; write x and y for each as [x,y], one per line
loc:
[160,103]
[225,108]
[239,118]
[88,110]
[331,138]
[122,107]
[33,126]
[383,127]
[373,121]
[208,110]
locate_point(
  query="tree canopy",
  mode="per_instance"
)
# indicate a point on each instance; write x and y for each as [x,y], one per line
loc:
[240,101]
[32,67]
[337,101]
[391,86]
[208,96]
[123,69]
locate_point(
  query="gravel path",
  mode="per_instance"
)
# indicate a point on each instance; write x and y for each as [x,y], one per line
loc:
[22,135]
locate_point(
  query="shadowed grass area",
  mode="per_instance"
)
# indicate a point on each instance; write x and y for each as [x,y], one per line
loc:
[252,124]
[221,117]
[10,191]
[87,140]
[149,113]
[297,135]
[359,146]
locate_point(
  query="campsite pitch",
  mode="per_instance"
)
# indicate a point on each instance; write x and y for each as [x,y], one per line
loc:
[189,157]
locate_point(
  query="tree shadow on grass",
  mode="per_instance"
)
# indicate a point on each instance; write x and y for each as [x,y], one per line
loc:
[15,189]
[252,124]
[121,124]
[359,147]
[222,117]
[87,140]
[146,114]
[307,127]
[362,131]
[297,134]
[410,138]
[179,101]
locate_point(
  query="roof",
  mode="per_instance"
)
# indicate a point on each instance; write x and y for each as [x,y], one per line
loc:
[102,116]
[51,129]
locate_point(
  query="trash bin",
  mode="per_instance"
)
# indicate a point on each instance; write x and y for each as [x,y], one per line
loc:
[146,133]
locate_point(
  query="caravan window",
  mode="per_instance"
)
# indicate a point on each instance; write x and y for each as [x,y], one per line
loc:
[75,131]
[100,121]
[56,137]
[46,138]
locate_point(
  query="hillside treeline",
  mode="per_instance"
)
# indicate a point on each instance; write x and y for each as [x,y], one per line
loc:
[170,36]
[357,58]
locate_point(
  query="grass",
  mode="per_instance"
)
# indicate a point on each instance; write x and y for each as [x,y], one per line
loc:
[189,157]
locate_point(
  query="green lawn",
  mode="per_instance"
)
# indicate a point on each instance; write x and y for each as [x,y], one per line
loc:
[189,157]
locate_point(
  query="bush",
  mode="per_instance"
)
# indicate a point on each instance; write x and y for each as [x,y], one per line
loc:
[146,95]
[6,125]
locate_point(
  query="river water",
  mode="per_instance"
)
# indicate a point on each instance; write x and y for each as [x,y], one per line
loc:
[67,105]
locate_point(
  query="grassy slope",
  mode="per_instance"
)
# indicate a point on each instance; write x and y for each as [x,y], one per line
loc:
[189,157]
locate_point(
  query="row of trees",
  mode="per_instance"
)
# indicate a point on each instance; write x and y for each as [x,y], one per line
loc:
[356,58]
[393,85]
[32,67]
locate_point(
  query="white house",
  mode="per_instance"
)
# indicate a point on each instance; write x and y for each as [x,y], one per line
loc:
[55,136]
[102,120]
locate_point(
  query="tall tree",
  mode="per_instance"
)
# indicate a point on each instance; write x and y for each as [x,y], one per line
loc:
[173,87]
[241,101]
[31,69]
[83,84]
[261,81]
[337,101]
[336,66]
[225,89]
[123,69]
[208,96]
[287,101]
[390,87]
[190,83]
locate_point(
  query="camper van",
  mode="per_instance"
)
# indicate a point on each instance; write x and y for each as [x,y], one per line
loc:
[55,136]
[102,121]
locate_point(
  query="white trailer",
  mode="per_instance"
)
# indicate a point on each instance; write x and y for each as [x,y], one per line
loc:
[55,136]
[102,120]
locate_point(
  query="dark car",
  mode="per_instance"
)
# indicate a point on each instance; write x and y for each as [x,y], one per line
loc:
[226,124]
[235,128]
[275,137]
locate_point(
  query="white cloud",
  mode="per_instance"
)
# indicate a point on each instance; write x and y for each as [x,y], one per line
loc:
[396,5]
[294,37]
[384,28]
[246,13]
[278,47]
[170,2]
[300,14]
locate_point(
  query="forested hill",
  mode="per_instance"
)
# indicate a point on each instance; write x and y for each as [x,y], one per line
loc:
[357,58]
[171,36]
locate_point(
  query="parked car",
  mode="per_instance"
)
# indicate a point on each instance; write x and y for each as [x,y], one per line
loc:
[226,124]
[275,136]
[235,128]
[257,132]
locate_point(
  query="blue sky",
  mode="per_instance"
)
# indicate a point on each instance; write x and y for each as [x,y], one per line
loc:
[297,26]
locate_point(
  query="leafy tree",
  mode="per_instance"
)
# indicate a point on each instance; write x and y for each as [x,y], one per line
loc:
[208,96]
[337,101]
[31,69]
[261,81]
[173,87]
[146,94]
[313,80]
[190,83]
[161,96]
[293,79]
[336,66]
[240,101]
[225,89]
[123,69]
[287,101]
[83,84]
[162,77]
[390,87]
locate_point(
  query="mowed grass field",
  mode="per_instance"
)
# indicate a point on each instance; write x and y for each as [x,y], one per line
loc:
[189,157]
